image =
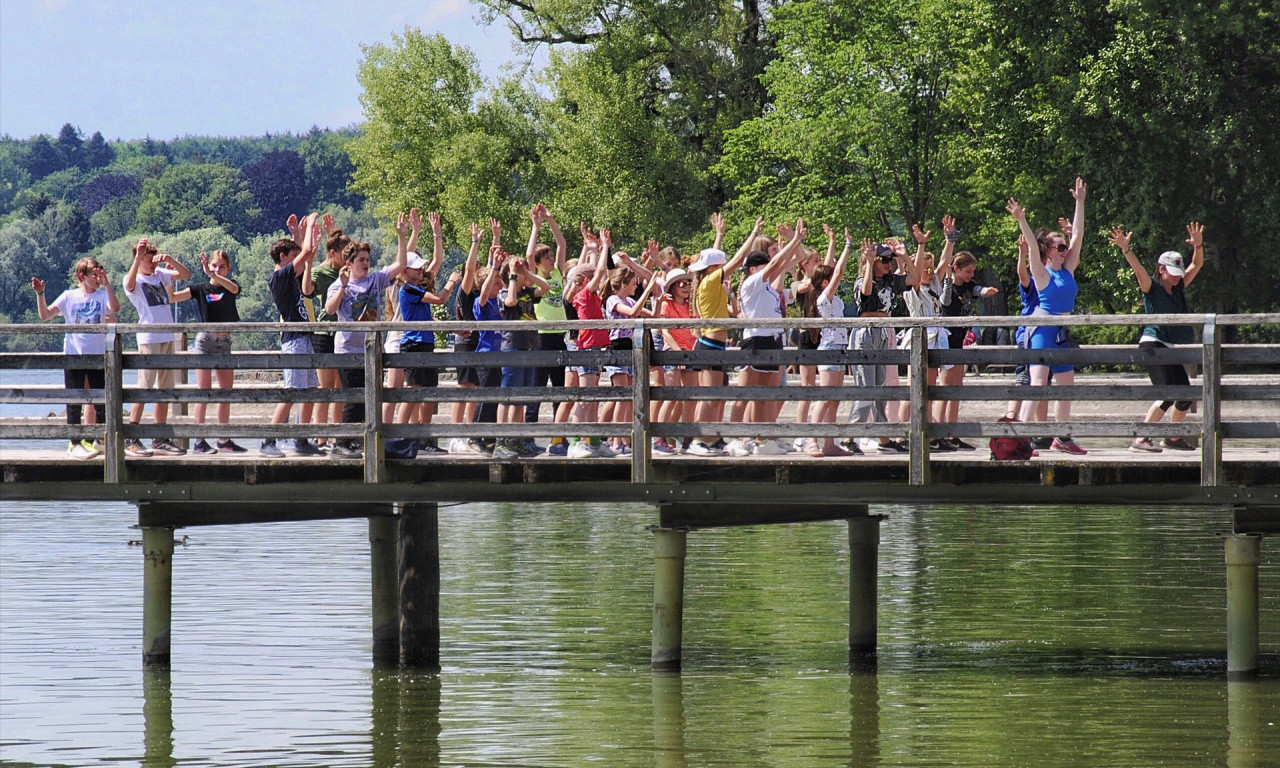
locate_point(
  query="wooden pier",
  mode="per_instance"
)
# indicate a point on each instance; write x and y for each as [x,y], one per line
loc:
[1236,466]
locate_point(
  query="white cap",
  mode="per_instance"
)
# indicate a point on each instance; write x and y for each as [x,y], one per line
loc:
[709,257]
[416,261]
[1172,263]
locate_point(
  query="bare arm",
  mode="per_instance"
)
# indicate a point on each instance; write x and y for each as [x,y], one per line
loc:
[1195,236]
[182,273]
[139,253]
[868,269]
[469,267]
[638,309]
[787,257]
[1119,239]
[744,249]
[1024,277]
[46,312]
[1077,228]
[717,224]
[1038,271]
[562,245]
[415,228]
[402,247]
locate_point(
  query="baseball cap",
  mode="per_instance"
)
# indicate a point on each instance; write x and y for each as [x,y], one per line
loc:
[1172,263]
[707,258]
[883,251]
[416,261]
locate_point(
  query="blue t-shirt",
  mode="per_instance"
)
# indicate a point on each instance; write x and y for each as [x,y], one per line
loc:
[488,341]
[414,310]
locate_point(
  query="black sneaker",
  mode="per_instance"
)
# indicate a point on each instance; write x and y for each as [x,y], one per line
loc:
[166,447]
[202,448]
[271,450]
[961,445]
[893,446]
[229,446]
[304,447]
[1177,444]
[941,445]
[1043,443]
[346,451]
[430,447]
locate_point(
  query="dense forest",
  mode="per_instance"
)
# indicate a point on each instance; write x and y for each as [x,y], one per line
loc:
[652,115]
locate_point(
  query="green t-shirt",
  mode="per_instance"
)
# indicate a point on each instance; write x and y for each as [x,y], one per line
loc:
[551,305]
[1158,301]
[323,276]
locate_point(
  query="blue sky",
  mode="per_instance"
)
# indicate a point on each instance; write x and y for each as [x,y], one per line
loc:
[167,68]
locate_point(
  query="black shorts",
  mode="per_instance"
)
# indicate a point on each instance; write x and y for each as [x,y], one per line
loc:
[423,376]
[705,345]
[322,343]
[761,344]
[955,337]
[467,374]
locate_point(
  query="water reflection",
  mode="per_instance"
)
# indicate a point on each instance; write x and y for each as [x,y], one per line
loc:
[1244,725]
[405,719]
[668,720]
[864,719]
[157,716]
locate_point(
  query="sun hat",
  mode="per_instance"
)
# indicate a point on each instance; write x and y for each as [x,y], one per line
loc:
[707,258]
[675,276]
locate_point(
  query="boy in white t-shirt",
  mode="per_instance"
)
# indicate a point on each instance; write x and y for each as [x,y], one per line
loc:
[150,276]
[89,306]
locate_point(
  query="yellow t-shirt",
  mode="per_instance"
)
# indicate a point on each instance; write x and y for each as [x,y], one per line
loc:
[712,299]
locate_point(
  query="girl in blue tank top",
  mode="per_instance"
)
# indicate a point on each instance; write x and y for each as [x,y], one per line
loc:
[1053,264]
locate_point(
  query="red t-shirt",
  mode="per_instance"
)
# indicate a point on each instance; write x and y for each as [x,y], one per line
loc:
[589,307]
[683,337]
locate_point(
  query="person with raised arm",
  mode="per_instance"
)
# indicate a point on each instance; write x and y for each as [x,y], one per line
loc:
[550,267]
[417,296]
[1053,264]
[523,290]
[1165,295]
[324,276]
[922,301]
[826,285]
[586,281]
[675,304]
[83,305]
[488,308]
[621,303]
[355,298]
[473,275]
[394,377]
[216,303]
[146,285]
[711,272]
[292,285]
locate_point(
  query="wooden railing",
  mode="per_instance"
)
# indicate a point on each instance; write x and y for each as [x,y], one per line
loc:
[1211,355]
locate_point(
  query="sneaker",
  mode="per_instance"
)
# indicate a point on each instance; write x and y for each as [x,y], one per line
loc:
[560,448]
[579,450]
[304,447]
[229,446]
[1143,445]
[430,447]
[1067,445]
[960,445]
[800,445]
[770,448]
[94,447]
[167,447]
[529,447]
[603,451]
[720,445]
[505,451]
[79,451]
[203,448]
[477,446]
[700,448]
[941,446]
[1043,443]
[662,446]
[1177,444]
[134,447]
[346,450]
[739,447]
[893,446]
[269,448]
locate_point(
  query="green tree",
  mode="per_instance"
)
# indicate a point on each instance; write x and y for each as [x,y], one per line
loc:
[196,196]
[43,246]
[97,152]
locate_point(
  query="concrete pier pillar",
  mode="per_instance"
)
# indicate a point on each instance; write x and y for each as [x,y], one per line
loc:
[384,569]
[668,596]
[157,595]
[864,552]
[419,558]
[1243,552]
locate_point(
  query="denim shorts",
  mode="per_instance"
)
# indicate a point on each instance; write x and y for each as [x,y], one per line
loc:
[299,378]
[828,348]
[208,344]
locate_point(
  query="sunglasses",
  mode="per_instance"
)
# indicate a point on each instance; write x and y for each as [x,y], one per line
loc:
[1061,247]
[885,259]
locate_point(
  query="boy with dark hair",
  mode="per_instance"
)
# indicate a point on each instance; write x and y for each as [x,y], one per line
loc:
[292,287]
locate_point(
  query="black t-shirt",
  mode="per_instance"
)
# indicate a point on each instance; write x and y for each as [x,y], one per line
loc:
[883,293]
[215,303]
[286,291]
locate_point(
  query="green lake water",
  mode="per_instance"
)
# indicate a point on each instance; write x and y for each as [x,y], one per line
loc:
[1008,637]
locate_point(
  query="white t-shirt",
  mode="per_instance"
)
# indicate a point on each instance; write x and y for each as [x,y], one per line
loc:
[151,300]
[359,303]
[759,301]
[78,307]
[923,301]
[832,309]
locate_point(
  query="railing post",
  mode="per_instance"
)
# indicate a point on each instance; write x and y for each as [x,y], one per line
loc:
[919,442]
[112,439]
[374,448]
[1211,428]
[641,447]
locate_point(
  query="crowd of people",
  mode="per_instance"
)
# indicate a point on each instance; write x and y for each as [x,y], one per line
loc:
[763,278]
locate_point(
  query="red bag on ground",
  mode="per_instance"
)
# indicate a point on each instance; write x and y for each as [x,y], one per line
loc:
[1011,448]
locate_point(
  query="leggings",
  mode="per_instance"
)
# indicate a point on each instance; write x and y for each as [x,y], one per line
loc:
[85,378]
[1167,376]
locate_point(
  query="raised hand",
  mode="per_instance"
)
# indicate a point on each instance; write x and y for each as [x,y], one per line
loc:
[1119,239]
[948,225]
[717,223]
[758,228]
[328,224]
[606,238]
[1078,191]
[1015,210]
[415,220]
[1023,250]
[785,232]
[801,230]
[475,232]
[651,251]
[921,236]
[204,266]
[868,248]
[344,274]
[292,224]
[829,232]
[495,228]
[1195,234]
[433,219]
[535,214]
[848,238]
[37,285]
[896,246]
[402,224]
[1064,226]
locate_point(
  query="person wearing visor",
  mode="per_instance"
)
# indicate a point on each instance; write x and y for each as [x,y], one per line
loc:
[1165,295]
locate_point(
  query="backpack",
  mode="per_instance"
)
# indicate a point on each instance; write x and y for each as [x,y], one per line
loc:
[402,448]
[1011,448]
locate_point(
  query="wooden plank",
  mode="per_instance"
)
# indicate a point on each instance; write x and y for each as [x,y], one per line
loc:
[641,457]
[113,440]
[919,406]
[1211,407]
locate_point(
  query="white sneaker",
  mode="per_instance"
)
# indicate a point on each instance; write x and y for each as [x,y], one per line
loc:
[797,445]
[458,445]
[738,447]
[603,451]
[78,451]
[770,448]
[581,450]
[700,448]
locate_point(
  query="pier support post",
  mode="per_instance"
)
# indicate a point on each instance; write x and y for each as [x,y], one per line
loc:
[669,546]
[384,571]
[864,552]
[419,585]
[157,595]
[1243,552]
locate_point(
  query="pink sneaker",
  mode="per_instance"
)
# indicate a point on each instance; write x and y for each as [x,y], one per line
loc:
[1067,445]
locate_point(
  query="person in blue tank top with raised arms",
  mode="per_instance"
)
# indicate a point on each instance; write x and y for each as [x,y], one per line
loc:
[1053,263]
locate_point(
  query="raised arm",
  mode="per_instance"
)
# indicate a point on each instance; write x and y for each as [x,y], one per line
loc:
[1038,271]
[180,269]
[788,255]
[415,228]
[601,274]
[535,215]
[402,247]
[640,269]
[491,283]
[868,273]
[639,308]
[1024,277]
[1077,227]
[951,236]
[833,285]
[139,253]
[830,258]
[46,312]
[469,267]
[1119,239]
[745,249]
[1195,236]
[437,243]
[718,226]
[562,245]
[917,266]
